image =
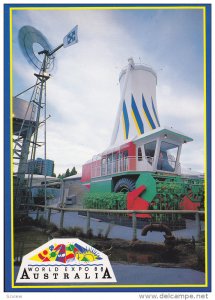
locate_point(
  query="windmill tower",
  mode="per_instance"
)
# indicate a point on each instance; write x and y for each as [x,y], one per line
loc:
[30,117]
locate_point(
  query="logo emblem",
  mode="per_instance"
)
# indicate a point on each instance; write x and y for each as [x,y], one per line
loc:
[65,260]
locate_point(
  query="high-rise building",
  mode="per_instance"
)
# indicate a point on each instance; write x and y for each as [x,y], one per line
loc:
[41,167]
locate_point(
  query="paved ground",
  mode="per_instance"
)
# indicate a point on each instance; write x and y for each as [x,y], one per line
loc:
[117,231]
[132,273]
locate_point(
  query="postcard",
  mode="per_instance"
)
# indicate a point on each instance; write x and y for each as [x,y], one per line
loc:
[108,142]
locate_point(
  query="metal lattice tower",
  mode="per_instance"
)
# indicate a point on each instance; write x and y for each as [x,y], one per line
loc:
[26,142]
[26,132]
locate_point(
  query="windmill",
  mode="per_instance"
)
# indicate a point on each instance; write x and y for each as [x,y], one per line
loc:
[30,116]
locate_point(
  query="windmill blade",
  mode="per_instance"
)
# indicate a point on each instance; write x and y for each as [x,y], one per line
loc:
[31,42]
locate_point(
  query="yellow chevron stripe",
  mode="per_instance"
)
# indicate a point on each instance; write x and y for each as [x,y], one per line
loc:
[123,126]
[135,122]
[147,120]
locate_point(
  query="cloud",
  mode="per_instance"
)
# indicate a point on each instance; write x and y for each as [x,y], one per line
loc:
[181,109]
[193,157]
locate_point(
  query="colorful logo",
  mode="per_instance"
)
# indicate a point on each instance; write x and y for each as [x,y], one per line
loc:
[65,261]
[67,253]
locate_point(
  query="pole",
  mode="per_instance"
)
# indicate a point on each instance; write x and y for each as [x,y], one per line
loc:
[134,226]
[62,192]
[198,227]
[38,212]
[45,166]
[56,49]
[49,215]
[61,218]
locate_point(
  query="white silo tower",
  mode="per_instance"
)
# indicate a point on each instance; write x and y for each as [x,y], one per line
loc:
[137,112]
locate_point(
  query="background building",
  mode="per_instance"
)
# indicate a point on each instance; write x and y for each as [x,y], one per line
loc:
[41,167]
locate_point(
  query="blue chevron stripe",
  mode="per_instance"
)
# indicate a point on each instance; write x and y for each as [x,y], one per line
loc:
[136,116]
[156,117]
[126,120]
[147,114]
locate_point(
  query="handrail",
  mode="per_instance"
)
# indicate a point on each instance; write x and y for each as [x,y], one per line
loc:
[157,211]
[62,211]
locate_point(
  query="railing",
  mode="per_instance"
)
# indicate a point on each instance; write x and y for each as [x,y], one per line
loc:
[106,167]
[125,164]
[62,211]
[113,167]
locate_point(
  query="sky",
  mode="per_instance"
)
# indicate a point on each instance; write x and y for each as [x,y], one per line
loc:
[83,92]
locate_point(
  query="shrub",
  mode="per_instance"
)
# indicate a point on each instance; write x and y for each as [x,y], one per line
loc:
[105,200]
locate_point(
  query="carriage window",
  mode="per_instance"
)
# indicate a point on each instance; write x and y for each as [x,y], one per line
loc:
[115,156]
[139,154]
[103,166]
[167,157]
[125,160]
[109,163]
[150,151]
[115,162]
[125,153]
